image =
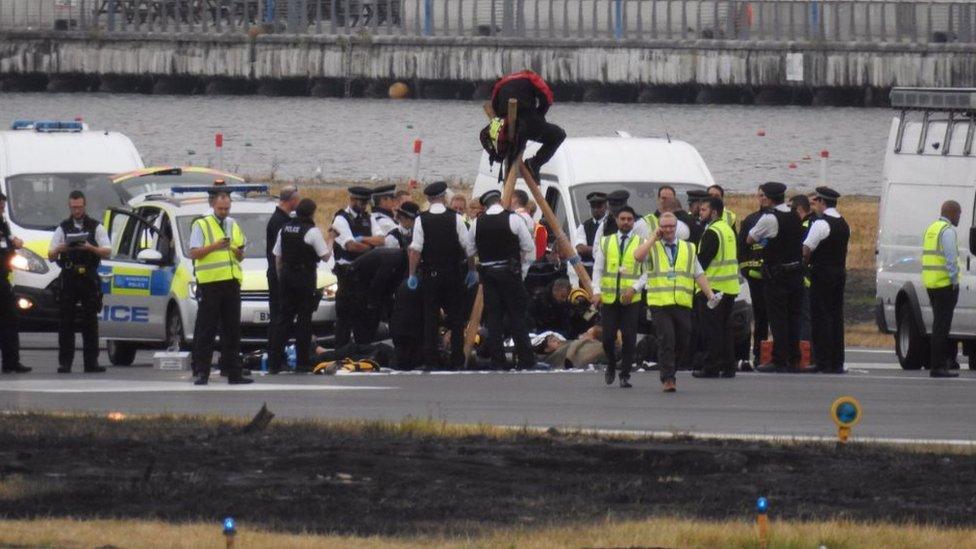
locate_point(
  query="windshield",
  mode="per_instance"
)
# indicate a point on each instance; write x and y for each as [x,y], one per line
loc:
[254,226]
[40,200]
[643,195]
[160,183]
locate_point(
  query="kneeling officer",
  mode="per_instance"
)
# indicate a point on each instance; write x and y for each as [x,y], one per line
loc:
[78,246]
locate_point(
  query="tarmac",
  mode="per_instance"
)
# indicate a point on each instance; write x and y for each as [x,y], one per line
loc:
[897,405]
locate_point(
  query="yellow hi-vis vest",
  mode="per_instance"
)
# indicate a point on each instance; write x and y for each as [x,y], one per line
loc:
[935,271]
[729,217]
[723,271]
[620,269]
[218,265]
[669,284]
[652,223]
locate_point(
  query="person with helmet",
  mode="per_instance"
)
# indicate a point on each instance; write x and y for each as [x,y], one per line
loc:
[217,248]
[78,246]
[298,248]
[9,335]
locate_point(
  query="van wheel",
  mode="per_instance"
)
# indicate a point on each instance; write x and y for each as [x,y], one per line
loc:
[911,345]
[120,353]
[175,336]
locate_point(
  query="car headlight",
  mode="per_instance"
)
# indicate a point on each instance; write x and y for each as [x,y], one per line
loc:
[329,292]
[26,260]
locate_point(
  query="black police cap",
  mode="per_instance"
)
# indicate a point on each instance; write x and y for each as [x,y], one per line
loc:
[362,193]
[596,197]
[435,189]
[827,193]
[620,196]
[489,195]
[697,194]
[773,189]
[409,209]
[384,190]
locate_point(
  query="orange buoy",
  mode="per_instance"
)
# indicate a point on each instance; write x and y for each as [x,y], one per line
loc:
[792,165]
[761,133]
[399,90]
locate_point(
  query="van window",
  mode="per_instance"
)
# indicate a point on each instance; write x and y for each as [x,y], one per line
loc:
[903,223]
[643,195]
[40,201]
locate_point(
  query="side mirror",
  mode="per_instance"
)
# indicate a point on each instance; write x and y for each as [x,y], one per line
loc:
[150,256]
[972,240]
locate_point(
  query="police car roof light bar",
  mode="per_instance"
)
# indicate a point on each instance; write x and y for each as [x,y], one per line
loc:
[943,99]
[55,126]
[243,189]
[22,125]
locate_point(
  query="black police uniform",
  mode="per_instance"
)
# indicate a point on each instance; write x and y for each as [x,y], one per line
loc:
[79,297]
[348,320]
[505,296]
[750,265]
[442,284]
[828,276]
[9,319]
[377,273]
[277,221]
[299,298]
[783,273]
[589,227]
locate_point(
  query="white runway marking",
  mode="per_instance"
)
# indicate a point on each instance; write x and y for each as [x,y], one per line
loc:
[124,386]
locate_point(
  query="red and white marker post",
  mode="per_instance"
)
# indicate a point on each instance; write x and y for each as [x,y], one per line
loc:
[418,144]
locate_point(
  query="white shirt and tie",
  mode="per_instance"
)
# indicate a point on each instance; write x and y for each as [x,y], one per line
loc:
[622,240]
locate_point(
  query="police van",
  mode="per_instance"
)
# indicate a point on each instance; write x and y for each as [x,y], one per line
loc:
[641,165]
[148,283]
[930,158]
[40,163]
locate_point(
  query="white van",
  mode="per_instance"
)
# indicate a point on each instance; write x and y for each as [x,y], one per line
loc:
[640,165]
[930,158]
[40,163]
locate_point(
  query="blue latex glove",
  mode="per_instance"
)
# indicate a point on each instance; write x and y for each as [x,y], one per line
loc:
[413,282]
[471,279]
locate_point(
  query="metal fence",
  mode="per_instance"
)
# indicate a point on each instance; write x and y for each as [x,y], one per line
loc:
[878,21]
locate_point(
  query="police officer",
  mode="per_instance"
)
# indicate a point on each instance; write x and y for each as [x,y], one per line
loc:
[406,216]
[298,249]
[585,234]
[692,217]
[718,256]
[78,246]
[9,336]
[287,201]
[621,279]
[217,248]
[779,230]
[383,215]
[438,251]
[940,276]
[729,216]
[505,251]
[616,200]
[825,249]
[800,204]
[672,272]
[750,265]
[354,237]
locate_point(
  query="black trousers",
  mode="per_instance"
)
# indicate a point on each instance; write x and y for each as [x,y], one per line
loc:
[274,298]
[623,318]
[536,128]
[760,324]
[717,334]
[409,352]
[218,303]
[443,289]
[827,317]
[672,326]
[9,326]
[943,302]
[350,318]
[298,302]
[784,296]
[79,302]
[506,300]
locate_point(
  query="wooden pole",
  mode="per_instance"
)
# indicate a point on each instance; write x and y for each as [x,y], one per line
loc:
[563,245]
[512,175]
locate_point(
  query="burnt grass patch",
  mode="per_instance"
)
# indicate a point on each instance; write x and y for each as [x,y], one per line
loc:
[376,478]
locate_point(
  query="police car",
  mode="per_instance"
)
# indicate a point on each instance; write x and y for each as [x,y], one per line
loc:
[41,161]
[148,284]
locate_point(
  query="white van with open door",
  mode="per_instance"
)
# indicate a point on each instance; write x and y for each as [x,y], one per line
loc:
[930,158]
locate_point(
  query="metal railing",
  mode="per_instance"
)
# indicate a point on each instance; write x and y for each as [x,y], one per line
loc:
[875,21]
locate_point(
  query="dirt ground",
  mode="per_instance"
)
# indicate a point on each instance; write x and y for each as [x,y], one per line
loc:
[421,479]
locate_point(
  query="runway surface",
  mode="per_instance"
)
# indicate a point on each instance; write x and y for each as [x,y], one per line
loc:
[897,404]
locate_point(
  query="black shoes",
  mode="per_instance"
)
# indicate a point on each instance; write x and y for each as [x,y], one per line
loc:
[16,369]
[706,374]
[94,369]
[609,375]
[625,382]
[772,368]
[64,370]
[942,372]
[201,379]
[239,380]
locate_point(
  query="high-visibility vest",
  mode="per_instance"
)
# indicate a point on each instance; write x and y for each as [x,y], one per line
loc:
[620,269]
[729,217]
[669,284]
[652,223]
[218,265]
[935,271]
[723,270]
